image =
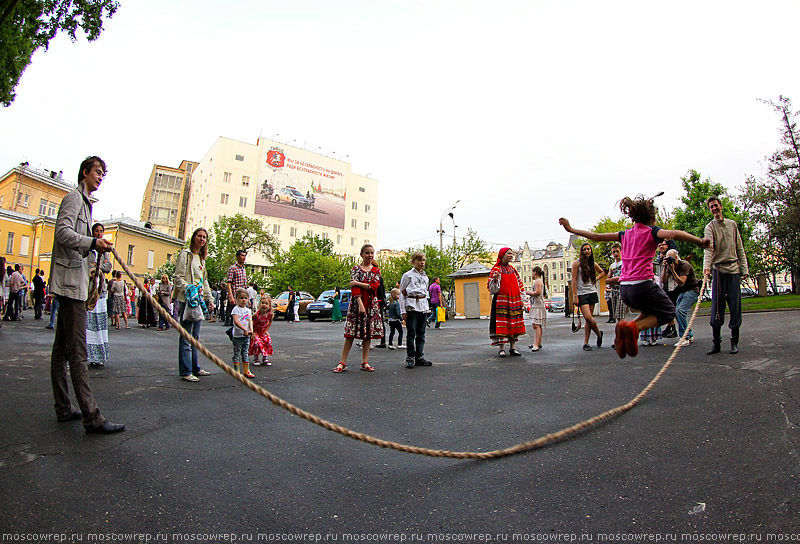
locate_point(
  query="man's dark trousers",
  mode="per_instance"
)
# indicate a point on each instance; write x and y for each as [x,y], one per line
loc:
[69,349]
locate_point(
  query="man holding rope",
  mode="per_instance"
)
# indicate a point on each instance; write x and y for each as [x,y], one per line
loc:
[69,281]
[727,262]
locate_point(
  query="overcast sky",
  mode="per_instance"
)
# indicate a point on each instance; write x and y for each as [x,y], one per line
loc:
[524,111]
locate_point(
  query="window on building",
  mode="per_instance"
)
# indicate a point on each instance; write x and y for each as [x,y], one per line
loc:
[310,233]
[223,198]
[51,208]
[2,198]
[325,236]
[293,232]
[562,265]
[352,241]
[362,190]
[366,225]
[242,201]
[245,181]
[43,206]
[24,243]
[226,177]
[354,205]
[151,257]
[169,257]
[130,254]
[239,157]
[562,275]
[276,229]
[366,208]
[10,243]
[353,223]
[22,199]
[338,238]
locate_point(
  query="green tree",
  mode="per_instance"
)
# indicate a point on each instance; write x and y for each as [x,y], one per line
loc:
[309,265]
[694,215]
[774,201]
[602,250]
[229,234]
[28,25]
[472,248]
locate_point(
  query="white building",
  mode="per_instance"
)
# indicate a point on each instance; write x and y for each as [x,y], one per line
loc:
[293,191]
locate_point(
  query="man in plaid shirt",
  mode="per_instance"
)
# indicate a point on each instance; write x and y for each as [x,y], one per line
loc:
[236,278]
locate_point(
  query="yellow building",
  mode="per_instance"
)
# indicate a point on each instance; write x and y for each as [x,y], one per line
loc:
[33,191]
[472,297]
[29,201]
[26,240]
[143,249]
[166,198]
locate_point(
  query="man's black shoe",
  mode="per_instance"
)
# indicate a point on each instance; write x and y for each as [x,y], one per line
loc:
[423,362]
[74,416]
[715,348]
[381,345]
[106,428]
[670,332]
[734,347]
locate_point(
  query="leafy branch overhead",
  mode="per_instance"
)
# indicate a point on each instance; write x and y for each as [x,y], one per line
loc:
[29,25]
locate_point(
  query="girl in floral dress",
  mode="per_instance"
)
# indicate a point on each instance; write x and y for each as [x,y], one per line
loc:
[261,342]
[364,320]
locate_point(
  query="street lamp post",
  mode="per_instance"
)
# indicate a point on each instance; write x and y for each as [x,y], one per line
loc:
[447,212]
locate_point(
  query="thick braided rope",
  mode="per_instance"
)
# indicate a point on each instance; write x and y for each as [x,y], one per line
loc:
[546,440]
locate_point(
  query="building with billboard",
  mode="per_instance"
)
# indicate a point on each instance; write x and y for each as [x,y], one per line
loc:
[166,198]
[293,191]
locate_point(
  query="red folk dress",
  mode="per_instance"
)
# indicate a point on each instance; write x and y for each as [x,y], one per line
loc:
[261,342]
[506,321]
[371,324]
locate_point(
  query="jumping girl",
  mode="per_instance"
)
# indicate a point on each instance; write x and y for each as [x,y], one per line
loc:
[637,288]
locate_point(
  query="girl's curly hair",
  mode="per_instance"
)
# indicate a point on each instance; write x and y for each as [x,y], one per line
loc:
[640,209]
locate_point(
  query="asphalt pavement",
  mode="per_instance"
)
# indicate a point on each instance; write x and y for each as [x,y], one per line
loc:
[711,452]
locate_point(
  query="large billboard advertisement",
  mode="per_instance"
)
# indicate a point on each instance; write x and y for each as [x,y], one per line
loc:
[300,185]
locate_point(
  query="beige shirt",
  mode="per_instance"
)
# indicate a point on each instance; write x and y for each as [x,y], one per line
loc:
[726,253]
[190,268]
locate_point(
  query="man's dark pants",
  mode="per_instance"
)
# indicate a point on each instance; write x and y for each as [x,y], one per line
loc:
[38,304]
[725,288]
[69,348]
[415,334]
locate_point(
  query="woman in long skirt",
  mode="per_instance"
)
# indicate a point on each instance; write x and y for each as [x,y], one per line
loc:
[506,323]
[147,314]
[336,312]
[97,317]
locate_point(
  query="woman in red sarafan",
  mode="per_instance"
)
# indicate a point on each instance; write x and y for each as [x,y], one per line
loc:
[506,323]
[364,321]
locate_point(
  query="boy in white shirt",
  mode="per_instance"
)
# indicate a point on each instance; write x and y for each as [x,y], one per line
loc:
[414,307]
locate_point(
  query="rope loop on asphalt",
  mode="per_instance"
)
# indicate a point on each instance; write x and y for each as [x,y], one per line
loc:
[541,442]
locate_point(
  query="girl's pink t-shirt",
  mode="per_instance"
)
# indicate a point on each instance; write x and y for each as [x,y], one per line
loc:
[639,244]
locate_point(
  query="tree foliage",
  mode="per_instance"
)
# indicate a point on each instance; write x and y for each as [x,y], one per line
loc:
[774,200]
[229,234]
[309,265]
[694,216]
[28,25]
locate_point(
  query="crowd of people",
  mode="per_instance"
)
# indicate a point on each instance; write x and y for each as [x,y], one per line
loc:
[83,305]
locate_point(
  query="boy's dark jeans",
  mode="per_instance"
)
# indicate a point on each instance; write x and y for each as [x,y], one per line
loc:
[415,334]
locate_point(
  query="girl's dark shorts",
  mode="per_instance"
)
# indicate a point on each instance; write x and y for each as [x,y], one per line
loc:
[589,298]
[650,299]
